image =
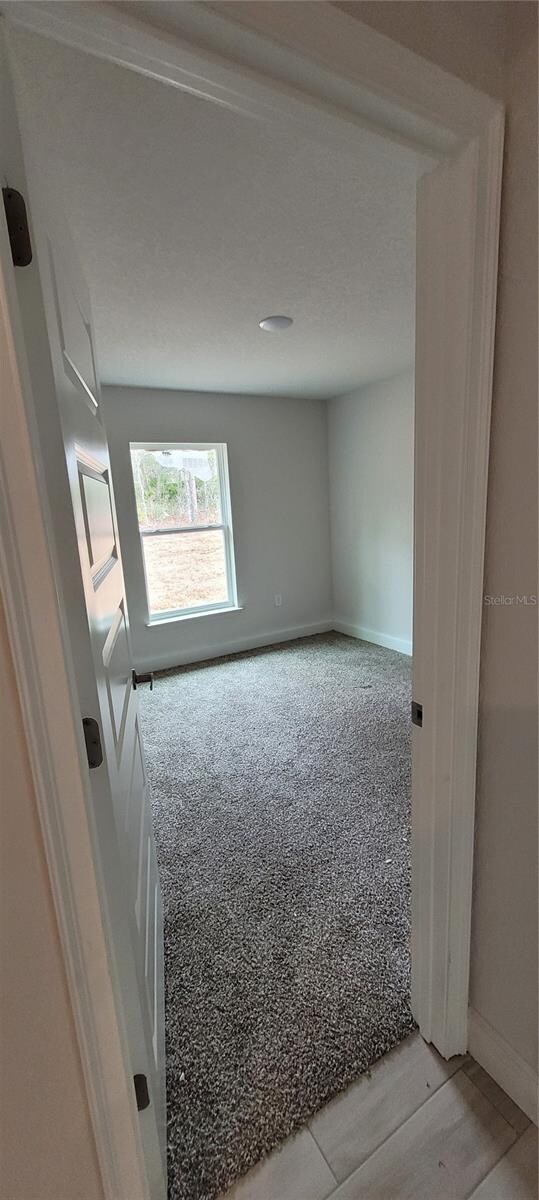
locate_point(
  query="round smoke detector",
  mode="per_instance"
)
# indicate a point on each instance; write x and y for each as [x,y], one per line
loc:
[275,324]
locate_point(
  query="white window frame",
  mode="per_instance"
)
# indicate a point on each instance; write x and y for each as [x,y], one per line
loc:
[225,524]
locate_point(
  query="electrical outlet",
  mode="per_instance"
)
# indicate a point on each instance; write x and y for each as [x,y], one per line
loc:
[277,600]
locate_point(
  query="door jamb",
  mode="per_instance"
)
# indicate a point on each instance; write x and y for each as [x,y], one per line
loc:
[408,99]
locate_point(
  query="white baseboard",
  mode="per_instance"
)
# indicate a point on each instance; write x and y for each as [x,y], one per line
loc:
[506,1066]
[178,658]
[371,635]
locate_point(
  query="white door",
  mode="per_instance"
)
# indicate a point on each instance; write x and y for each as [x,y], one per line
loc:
[76,465]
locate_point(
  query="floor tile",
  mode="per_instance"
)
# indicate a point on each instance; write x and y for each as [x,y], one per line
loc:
[441,1153]
[353,1125]
[497,1096]
[515,1177]
[297,1171]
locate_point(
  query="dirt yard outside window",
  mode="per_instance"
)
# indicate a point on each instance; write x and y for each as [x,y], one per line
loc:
[185,570]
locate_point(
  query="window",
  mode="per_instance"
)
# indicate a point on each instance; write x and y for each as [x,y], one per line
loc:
[183,507]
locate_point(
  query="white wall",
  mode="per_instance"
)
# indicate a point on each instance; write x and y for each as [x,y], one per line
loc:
[371,472]
[277,456]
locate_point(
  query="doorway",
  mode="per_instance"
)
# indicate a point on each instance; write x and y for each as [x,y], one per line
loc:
[446,194]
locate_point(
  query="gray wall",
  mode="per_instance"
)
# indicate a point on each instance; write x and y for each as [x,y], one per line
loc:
[505,933]
[277,454]
[493,46]
[371,471]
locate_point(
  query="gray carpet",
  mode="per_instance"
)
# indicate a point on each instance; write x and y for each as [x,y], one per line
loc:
[280,784]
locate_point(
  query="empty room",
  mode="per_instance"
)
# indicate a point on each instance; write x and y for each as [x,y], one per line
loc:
[249,298]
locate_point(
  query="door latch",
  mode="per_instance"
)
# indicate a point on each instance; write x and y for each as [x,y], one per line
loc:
[417,714]
[144,678]
[92,737]
[17,227]
[141,1092]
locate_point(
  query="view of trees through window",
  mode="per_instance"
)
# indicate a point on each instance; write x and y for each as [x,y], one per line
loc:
[178,495]
[176,487]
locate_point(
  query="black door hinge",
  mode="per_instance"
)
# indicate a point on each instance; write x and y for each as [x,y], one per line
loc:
[17,227]
[417,714]
[141,1092]
[147,677]
[92,737]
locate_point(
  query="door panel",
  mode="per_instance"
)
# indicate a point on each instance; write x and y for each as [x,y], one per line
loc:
[117,665]
[92,583]
[74,332]
[107,612]
[97,515]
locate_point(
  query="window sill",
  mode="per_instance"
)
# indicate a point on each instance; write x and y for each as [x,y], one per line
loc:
[172,618]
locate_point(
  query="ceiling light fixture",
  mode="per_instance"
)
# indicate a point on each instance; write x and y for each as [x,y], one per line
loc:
[275,324]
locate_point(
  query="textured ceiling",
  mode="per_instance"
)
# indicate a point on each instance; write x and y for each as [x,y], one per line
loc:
[193,223]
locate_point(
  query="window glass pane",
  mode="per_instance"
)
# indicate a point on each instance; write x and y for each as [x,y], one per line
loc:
[185,570]
[176,487]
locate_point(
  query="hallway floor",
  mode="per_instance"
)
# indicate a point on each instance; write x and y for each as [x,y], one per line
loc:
[415,1128]
[280,782]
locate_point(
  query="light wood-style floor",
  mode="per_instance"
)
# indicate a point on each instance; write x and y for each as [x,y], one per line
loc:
[417,1128]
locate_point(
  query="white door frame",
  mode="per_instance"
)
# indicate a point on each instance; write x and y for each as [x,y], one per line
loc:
[326,72]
